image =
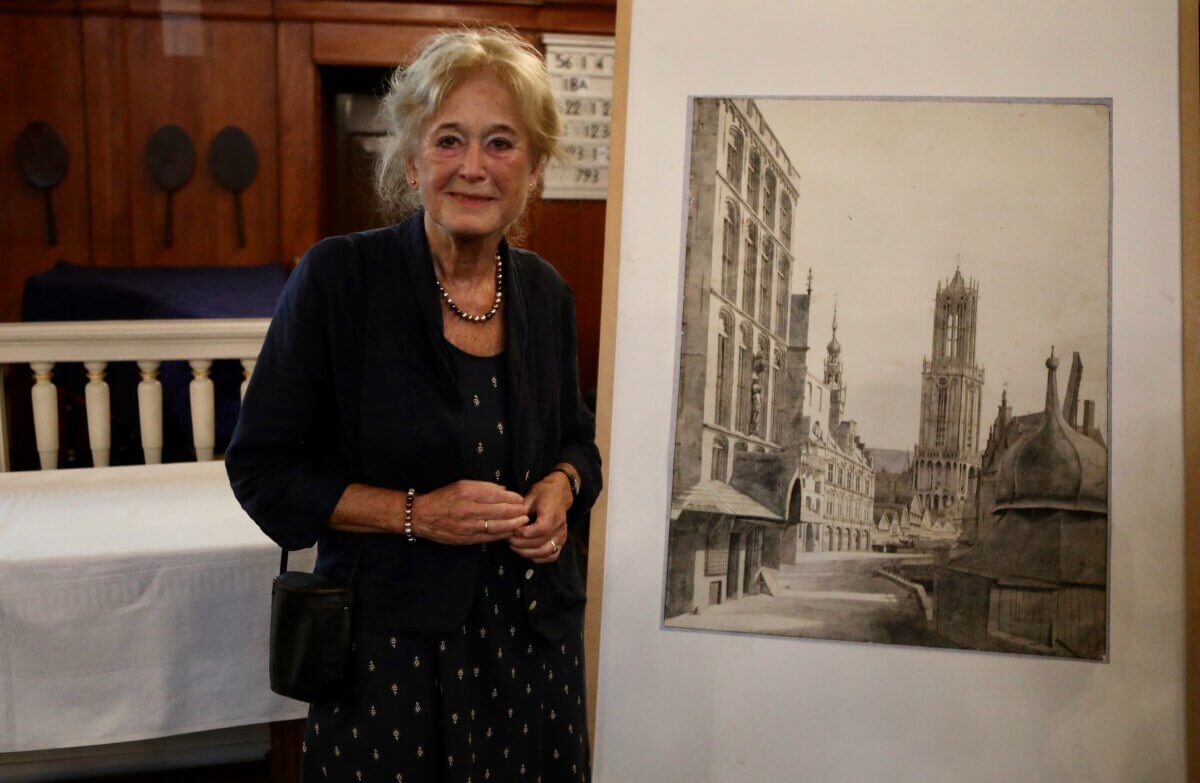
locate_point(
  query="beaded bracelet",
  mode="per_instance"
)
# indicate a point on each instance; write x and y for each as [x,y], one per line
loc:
[408,506]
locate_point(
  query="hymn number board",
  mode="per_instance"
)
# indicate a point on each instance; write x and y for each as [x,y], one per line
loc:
[581,75]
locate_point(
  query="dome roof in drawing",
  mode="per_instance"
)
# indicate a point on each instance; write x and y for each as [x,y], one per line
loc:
[834,346]
[1054,466]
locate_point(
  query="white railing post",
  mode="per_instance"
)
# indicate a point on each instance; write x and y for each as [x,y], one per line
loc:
[99,413]
[150,415]
[203,412]
[247,371]
[45,414]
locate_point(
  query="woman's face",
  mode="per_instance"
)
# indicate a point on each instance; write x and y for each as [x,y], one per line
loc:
[474,167]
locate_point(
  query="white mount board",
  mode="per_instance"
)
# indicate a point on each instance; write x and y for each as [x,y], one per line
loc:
[704,706]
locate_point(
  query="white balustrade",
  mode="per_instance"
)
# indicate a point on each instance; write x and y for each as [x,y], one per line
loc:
[97,344]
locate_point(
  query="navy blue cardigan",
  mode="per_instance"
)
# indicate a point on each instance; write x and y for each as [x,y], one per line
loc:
[355,383]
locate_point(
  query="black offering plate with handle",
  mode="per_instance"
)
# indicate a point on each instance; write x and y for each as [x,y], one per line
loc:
[234,162]
[171,159]
[42,157]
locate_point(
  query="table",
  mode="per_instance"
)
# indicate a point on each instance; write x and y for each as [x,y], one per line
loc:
[134,603]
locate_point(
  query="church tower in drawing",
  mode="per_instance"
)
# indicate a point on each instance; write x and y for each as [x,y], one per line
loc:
[946,457]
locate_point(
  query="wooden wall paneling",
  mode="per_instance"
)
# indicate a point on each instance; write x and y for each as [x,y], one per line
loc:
[203,75]
[299,121]
[366,44]
[597,19]
[208,9]
[111,161]
[570,235]
[38,6]
[41,70]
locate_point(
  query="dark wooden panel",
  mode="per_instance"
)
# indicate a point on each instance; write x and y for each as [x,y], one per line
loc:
[570,235]
[216,9]
[40,68]
[38,6]
[110,160]
[203,75]
[365,44]
[598,20]
[299,121]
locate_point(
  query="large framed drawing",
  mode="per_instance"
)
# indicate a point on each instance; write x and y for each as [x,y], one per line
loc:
[893,390]
[998,155]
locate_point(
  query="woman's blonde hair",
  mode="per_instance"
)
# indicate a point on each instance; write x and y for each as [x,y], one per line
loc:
[415,92]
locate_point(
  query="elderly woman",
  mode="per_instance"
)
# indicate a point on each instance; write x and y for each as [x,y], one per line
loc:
[415,412]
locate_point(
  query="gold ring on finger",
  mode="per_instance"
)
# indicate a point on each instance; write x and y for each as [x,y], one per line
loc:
[554,546]
[485,526]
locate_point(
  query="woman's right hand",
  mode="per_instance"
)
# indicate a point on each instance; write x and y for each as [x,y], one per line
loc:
[468,512]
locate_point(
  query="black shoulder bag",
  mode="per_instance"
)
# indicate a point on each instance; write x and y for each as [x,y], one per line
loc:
[311,636]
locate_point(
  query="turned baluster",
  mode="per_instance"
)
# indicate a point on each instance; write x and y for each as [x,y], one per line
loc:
[203,413]
[150,411]
[99,414]
[45,414]
[247,371]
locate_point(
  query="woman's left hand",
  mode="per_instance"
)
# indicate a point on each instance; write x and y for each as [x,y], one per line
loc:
[546,503]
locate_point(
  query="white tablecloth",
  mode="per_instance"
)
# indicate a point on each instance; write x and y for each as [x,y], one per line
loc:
[134,603]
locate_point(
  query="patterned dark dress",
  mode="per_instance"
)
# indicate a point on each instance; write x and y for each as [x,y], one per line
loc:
[489,701]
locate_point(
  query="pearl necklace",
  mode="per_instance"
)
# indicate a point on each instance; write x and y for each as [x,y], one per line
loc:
[463,314]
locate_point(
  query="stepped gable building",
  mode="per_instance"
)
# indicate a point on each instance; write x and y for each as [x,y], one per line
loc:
[1037,580]
[737,285]
[946,457]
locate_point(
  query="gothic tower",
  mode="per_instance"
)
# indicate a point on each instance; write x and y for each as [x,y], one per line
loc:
[833,377]
[946,458]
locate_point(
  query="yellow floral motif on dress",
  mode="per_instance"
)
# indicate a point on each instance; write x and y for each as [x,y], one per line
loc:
[417,707]
[395,689]
[392,641]
[416,662]
[370,666]
[372,710]
[396,734]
